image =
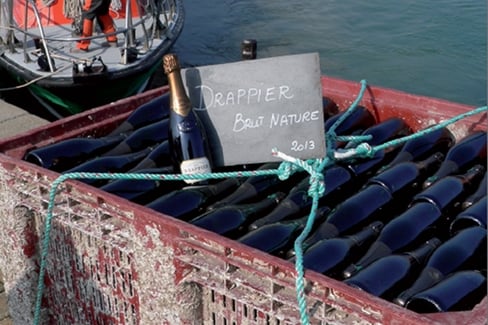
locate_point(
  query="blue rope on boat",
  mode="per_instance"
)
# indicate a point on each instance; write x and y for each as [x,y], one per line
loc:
[289,166]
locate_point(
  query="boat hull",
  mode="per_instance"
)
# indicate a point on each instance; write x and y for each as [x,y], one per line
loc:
[65,96]
[73,83]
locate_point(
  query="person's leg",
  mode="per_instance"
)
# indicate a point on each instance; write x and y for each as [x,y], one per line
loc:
[106,21]
[89,12]
[108,27]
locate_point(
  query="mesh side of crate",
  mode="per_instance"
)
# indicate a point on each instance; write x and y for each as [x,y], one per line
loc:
[103,267]
[112,262]
[240,288]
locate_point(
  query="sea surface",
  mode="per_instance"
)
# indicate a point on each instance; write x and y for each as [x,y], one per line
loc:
[433,48]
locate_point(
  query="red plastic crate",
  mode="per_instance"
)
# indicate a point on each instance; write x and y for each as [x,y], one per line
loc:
[111,261]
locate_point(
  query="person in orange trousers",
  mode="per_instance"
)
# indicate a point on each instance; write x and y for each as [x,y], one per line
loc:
[96,9]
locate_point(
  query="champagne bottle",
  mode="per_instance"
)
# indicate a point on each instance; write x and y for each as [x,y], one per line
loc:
[356,122]
[385,195]
[143,191]
[390,275]
[158,157]
[364,168]
[191,201]
[451,191]
[69,153]
[329,108]
[337,180]
[460,291]
[111,164]
[403,232]
[258,187]
[149,135]
[359,119]
[232,220]
[405,179]
[353,213]
[465,251]
[277,238]
[188,141]
[330,256]
[148,113]
[418,148]
[469,151]
[478,194]
[384,131]
[421,220]
[474,216]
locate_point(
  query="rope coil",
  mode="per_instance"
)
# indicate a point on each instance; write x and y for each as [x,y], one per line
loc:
[289,166]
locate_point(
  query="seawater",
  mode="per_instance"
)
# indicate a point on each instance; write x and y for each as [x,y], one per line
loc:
[432,48]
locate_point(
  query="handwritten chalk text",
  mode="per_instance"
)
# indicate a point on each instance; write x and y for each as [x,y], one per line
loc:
[242,96]
[278,120]
[242,122]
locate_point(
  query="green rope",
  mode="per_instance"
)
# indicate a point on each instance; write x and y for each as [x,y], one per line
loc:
[289,166]
[331,136]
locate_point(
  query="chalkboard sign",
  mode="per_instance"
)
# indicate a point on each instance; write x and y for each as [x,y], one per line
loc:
[250,107]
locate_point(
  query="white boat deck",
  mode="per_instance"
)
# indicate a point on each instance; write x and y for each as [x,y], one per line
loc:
[60,42]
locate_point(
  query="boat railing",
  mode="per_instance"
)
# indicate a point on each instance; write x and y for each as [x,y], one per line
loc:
[156,10]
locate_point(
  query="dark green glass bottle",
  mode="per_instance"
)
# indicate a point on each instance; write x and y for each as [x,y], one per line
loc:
[143,191]
[154,110]
[474,216]
[390,275]
[190,201]
[428,215]
[330,256]
[111,164]
[147,136]
[460,291]
[277,238]
[338,180]
[465,251]
[69,153]
[419,148]
[471,150]
[255,188]
[480,193]
[232,220]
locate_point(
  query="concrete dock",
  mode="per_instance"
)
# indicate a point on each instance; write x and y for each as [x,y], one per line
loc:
[13,120]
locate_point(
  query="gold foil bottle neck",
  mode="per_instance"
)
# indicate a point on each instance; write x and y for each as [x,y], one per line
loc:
[179,101]
[170,63]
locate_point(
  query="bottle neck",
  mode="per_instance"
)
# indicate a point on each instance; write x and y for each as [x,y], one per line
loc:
[254,209]
[406,174]
[473,175]
[320,215]
[477,195]
[179,101]
[224,186]
[427,278]
[449,191]
[421,254]
[371,231]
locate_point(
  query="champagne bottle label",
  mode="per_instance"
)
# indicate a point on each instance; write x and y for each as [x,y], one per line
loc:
[195,166]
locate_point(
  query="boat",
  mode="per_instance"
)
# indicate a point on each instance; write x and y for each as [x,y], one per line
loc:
[37,37]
